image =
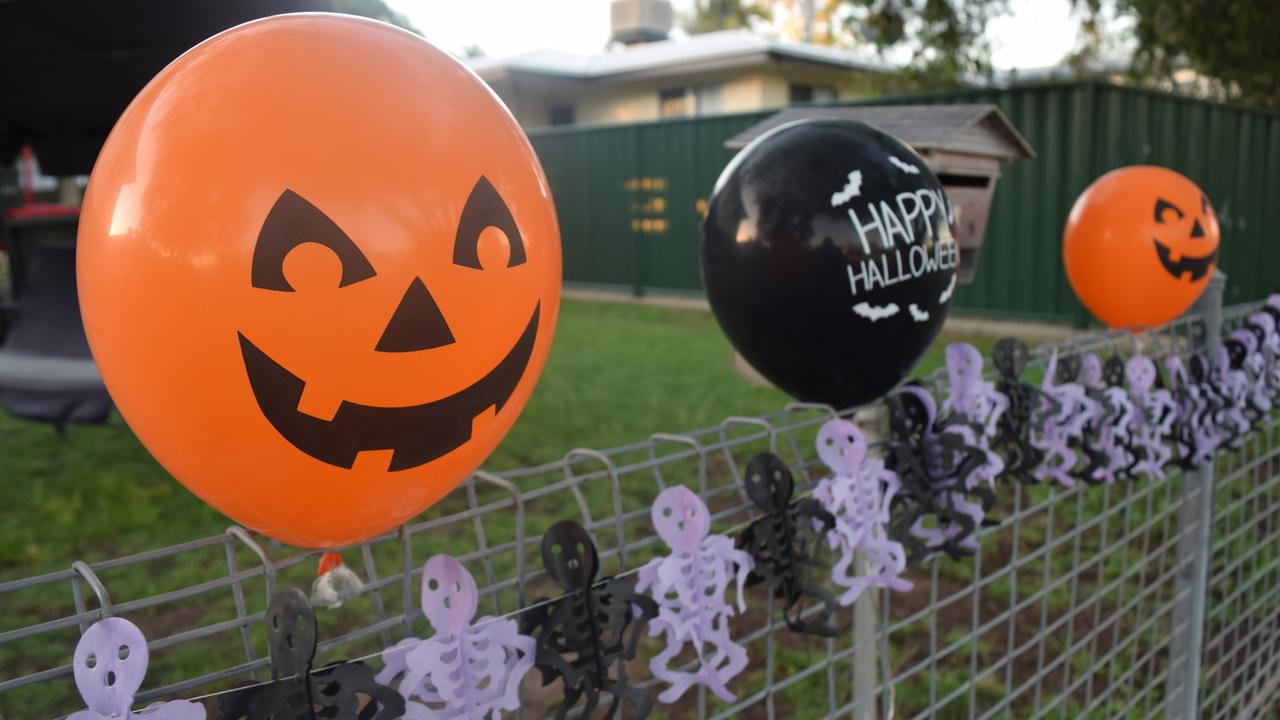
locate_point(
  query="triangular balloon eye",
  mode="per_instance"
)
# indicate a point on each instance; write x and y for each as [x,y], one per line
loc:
[294,221]
[485,208]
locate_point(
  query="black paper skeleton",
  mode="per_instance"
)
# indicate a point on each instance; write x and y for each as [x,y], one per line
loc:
[1028,406]
[1221,412]
[938,464]
[341,690]
[1113,375]
[1192,439]
[1246,359]
[586,636]
[785,542]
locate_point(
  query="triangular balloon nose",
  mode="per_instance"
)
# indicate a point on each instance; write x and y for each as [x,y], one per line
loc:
[417,324]
[1196,230]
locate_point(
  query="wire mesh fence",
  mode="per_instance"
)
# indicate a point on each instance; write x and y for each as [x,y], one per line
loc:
[1081,602]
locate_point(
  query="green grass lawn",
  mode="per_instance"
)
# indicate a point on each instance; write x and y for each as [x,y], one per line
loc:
[616,374]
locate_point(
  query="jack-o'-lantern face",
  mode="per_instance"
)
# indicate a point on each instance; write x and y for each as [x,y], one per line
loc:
[1139,246]
[415,434]
[319,269]
[1182,245]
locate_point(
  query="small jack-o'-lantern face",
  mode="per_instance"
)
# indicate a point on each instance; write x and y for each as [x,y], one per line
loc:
[319,269]
[1184,247]
[1139,246]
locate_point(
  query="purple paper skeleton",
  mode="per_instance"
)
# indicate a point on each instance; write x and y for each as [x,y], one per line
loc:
[468,669]
[1064,427]
[975,401]
[1264,326]
[1245,351]
[109,664]
[1153,422]
[1233,386]
[859,494]
[689,586]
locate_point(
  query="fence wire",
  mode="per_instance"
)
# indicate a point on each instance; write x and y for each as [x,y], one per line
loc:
[1080,603]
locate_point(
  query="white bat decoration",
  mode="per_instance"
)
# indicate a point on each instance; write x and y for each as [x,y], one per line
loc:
[907,168]
[946,294]
[875,312]
[917,314]
[852,189]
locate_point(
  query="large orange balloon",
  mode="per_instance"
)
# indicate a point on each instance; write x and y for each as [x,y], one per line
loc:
[1139,246]
[319,269]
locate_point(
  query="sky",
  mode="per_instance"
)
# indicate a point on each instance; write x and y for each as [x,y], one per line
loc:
[1037,33]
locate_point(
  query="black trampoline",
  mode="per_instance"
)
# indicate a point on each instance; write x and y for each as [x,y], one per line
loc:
[67,71]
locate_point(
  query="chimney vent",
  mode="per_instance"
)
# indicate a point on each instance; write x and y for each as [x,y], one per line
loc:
[640,21]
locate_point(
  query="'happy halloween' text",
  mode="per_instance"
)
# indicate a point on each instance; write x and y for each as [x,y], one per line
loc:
[896,230]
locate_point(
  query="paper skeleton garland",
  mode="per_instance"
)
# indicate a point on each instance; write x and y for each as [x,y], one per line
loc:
[1153,422]
[468,669]
[587,635]
[109,663]
[1195,436]
[1062,429]
[858,495]
[1264,326]
[1027,408]
[689,586]
[785,542]
[1104,453]
[1232,382]
[296,692]
[1246,357]
[943,498]
[975,401]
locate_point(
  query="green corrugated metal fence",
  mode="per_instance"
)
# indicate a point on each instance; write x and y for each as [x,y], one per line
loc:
[630,198]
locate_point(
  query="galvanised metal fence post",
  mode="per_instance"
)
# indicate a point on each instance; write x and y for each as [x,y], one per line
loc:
[1195,516]
[875,425]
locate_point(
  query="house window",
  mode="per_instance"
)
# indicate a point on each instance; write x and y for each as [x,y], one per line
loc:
[686,101]
[562,114]
[805,93]
[673,102]
[706,99]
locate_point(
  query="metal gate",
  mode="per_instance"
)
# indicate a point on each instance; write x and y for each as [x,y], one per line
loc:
[1142,599]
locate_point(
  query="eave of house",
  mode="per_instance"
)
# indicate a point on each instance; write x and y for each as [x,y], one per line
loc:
[700,53]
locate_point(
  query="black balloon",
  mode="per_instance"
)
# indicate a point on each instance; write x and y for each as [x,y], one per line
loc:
[829,260]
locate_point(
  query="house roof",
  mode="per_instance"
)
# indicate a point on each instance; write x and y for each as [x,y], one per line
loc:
[979,129]
[729,47]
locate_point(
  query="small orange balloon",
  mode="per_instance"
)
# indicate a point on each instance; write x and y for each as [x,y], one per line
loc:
[319,269]
[1140,245]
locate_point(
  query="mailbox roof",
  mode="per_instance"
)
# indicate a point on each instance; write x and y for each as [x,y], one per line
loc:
[979,129]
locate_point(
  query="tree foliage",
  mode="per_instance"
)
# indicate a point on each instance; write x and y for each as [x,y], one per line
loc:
[947,39]
[375,9]
[1233,46]
[713,15]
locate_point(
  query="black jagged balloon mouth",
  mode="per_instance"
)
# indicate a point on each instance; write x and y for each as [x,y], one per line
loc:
[1197,266]
[416,434]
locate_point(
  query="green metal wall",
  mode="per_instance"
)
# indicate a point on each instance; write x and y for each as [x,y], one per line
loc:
[630,197]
